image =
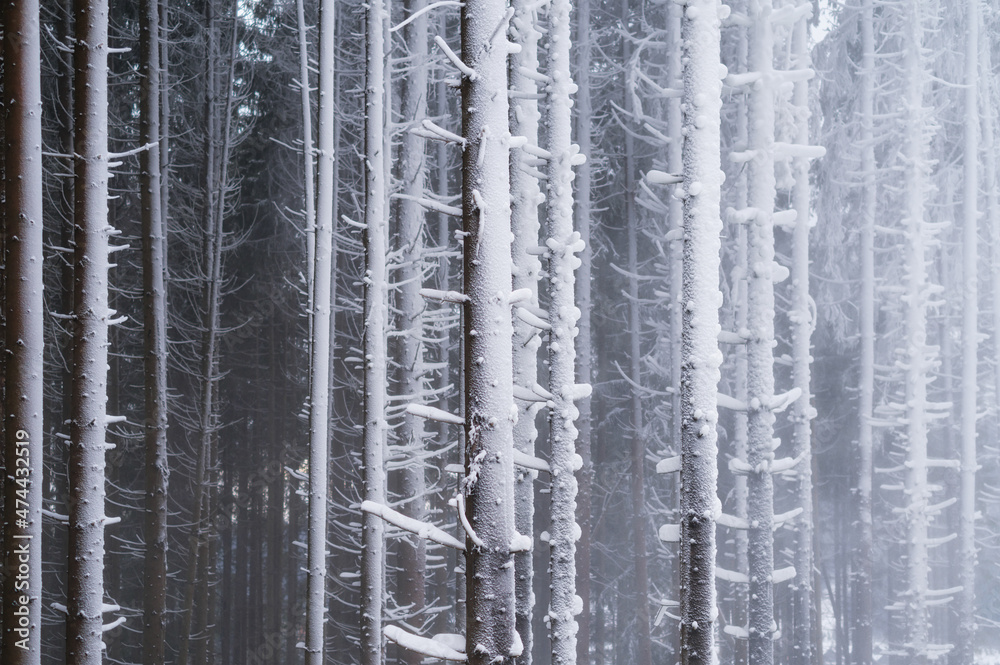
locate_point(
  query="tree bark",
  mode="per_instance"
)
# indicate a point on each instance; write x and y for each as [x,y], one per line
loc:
[965,643]
[376,306]
[525,227]
[154,338]
[321,302]
[88,426]
[861,564]
[702,180]
[488,488]
[23,308]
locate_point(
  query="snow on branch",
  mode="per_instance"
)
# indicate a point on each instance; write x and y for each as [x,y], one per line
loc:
[455,60]
[669,464]
[421,529]
[460,503]
[437,132]
[431,204]
[434,413]
[420,12]
[779,403]
[654,177]
[444,296]
[783,575]
[797,151]
[670,533]
[430,647]
[731,576]
[527,461]
[731,403]
[732,521]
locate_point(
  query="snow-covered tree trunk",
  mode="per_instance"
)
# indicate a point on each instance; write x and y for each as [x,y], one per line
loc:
[584,363]
[861,563]
[917,355]
[637,452]
[92,316]
[375,321]
[964,653]
[308,158]
[761,268]
[23,345]
[525,197]
[488,366]
[801,318]
[739,300]
[701,192]
[154,339]
[412,371]
[563,243]
[321,293]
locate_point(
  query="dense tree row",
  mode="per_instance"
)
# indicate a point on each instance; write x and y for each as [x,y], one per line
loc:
[615,331]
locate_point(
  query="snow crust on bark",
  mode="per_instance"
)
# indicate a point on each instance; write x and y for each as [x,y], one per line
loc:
[563,243]
[966,630]
[917,353]
[861,630]
[23,347]
[488,365]
[88,419]
[701,192]
[375,321]
[760,323]
[321,292]
[525,197]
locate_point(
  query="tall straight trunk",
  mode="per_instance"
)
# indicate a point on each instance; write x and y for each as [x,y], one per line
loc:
[802,411]
[916,353]
[308,159]
[23,342]
[376,312]
[701,191]
[524,222]
[155,340]
[760,322]
[488,488]
[563,244]
[584,364]
[413,369]
[861,563]
[215,183]
[739,299]
[638,445]
[88,421]
[321,302]
[964,653]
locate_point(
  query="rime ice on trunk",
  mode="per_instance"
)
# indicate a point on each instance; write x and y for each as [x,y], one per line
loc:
[375,313]
[321,291]
[966,631]
[23,346]
[861,564]
[489,404]
[88,418]
[801,318]
[700,31]
[918,357]
[563,243]
[584,363]
[525,198]
[155,339]
[760,324]
[412,371]
[637,444]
